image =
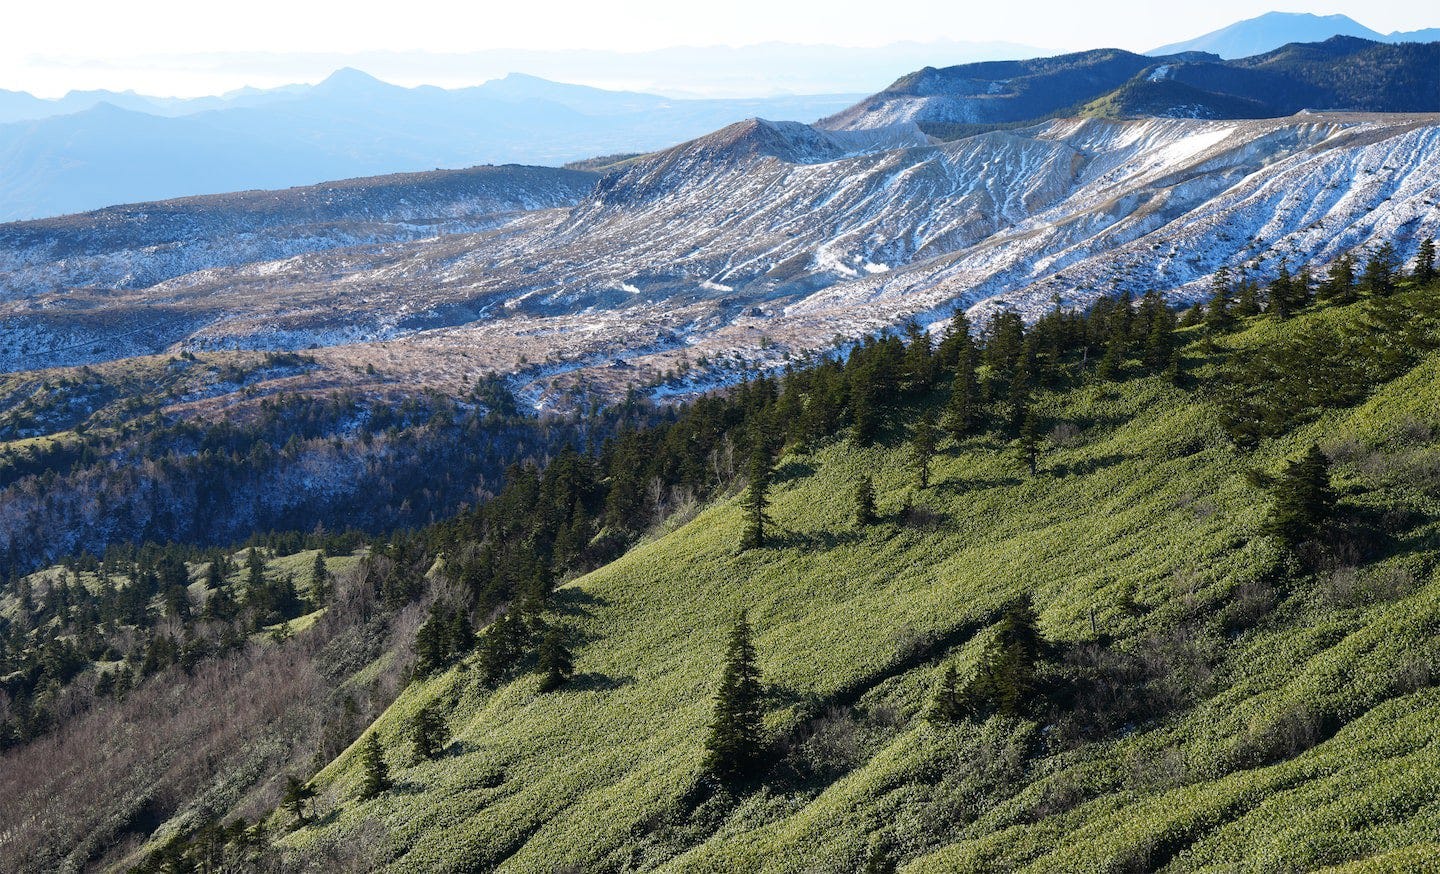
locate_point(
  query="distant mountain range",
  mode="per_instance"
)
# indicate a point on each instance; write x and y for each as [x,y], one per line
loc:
[1341,73]
[1256,36]
[128,147]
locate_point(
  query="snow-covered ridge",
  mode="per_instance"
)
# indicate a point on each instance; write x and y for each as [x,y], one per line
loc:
[764,240]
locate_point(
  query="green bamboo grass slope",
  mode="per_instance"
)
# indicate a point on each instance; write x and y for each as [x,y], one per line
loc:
[1217,703]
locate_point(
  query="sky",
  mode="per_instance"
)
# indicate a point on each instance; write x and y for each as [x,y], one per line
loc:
[181,47]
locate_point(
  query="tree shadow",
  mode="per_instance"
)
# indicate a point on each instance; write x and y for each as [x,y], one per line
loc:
[575,601]
[810,541]
[961,485]
[1086,467]
[595,682]
[792,470]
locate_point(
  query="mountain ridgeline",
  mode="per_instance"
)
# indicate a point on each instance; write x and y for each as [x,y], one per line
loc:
[1341,73]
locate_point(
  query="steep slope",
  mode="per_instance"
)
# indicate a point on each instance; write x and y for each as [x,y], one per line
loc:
[1299,728]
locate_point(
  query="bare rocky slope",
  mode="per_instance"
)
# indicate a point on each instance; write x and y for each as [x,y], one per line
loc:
[767,240]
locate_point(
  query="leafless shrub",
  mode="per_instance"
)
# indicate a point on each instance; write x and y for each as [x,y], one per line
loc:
[1341,587]
[1065,434]
[1153,770]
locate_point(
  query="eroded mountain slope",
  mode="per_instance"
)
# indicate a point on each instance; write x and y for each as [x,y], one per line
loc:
[765,241]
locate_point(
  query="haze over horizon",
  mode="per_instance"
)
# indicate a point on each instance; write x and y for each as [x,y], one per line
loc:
[166,48]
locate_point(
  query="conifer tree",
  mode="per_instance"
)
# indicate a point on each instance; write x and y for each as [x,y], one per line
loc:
[1339,284]
[374,773]
[1425,261]
[461,633]
[733,748]
[255,578]
[1030,441]
[1217,313]
[1380,270]
[864,417]
[1006,681]
[297,792]
[955,342]
[1280,294]
[431,642]
[1303,499]
[757,495]
[919,361]
[946,705]
[427,732]
[1160,339]
[319,579]
[922,447]
[960,410]
[1247,298]
[556,662]
[500,646]
[865,502]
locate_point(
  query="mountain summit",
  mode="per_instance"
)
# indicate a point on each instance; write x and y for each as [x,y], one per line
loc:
[1256,36]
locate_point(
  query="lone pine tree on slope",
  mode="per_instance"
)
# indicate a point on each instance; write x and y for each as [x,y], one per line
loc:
[733,749]
[757,495]
[375,774]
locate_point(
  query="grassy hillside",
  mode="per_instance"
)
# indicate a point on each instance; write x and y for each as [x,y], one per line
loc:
[1230,706]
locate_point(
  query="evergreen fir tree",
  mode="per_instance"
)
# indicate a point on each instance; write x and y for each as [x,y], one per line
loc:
[461,633]
[1160,339]
[320,586]
[1217,313]
[919,361]
[556,662]
[1247,298]
[946,705]
[733,748]
[297,792]
[1339,284]
[865,502]
[431,643]
[864,417]
[960,410]
[1425,261]
[1303,499]
[500,647]
[427,732]
[1030,442]
[1006,680]
[374,773]
[1281,304]
[255,577]
[757,496]
[1175,369]
[1380,270]
[922,447]
[955,342]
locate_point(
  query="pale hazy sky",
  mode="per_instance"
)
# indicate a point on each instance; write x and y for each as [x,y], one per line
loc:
[49,47]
